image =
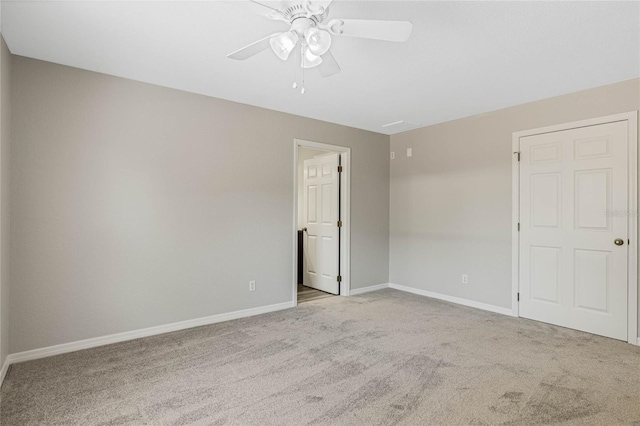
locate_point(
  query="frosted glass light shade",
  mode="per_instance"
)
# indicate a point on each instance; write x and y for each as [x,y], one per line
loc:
[309,60]
[319,41]
[283,44]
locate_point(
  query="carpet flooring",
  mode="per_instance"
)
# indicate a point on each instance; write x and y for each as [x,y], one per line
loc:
[381,358]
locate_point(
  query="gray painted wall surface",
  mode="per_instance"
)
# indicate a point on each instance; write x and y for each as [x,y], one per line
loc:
[135,205]
[5,133]
[451,202]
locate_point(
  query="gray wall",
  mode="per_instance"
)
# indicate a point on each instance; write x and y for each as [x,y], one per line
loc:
[5,132]
[135,206]
[451,202]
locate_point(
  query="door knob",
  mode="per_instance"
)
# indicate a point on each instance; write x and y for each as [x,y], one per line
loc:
[618,241]
[305,230]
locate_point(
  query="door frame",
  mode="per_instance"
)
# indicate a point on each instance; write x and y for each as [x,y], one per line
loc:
[632,266]
[345,213]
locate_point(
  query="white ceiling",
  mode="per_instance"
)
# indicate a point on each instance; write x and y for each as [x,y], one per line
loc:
[463,58]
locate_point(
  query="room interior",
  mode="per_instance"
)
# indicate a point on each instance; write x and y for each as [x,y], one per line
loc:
[150,209]
[305,293]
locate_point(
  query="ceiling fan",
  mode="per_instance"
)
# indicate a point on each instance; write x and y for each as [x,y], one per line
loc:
[310,29]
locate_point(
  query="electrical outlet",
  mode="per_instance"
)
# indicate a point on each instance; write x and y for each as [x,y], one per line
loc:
[465,279]
[252,286]
[393,155]
[409,152]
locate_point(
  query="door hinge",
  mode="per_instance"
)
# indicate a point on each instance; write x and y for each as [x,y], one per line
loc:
[518,226]
[518,297]
[339,169]
[518,154]
[339,278]
[339,224]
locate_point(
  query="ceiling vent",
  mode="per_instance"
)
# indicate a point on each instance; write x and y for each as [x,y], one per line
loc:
[400,126]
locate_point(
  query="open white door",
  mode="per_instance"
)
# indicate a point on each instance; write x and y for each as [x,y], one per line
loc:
[574,228]
[321,213]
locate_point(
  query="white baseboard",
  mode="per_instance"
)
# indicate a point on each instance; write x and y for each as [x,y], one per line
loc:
[3,371]
[136,334]
[638,342]
[368,289]
[453,299]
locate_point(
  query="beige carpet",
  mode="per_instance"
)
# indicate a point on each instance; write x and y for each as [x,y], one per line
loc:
[380,358]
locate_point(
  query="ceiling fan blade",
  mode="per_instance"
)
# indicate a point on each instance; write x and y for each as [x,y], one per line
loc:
[258,7]
[252,49]
[329,66]
[377,30]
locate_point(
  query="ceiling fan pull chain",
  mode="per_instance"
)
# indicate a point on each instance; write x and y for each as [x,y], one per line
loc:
[301,55]
[295,74]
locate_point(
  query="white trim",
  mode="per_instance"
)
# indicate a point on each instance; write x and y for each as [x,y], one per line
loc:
[638,342]
[632,283]
[453,299]
[345,214]
[632,266]
[145,332]
[3,371]
[515,219]
[577,124]
[369,289]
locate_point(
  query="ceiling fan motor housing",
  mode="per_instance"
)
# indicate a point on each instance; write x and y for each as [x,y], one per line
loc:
[293,10]
[300,25]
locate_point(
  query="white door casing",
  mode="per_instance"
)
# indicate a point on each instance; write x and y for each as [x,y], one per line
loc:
[573,204]
[321,214]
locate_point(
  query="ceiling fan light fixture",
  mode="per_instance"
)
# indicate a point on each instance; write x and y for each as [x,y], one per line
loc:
[309,60]
[283,44]
[311,30]
[319,41]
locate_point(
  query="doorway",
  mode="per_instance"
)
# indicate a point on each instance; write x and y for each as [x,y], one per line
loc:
[321,221]
[575,225]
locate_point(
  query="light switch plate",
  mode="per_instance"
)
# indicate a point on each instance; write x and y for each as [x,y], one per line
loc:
[409,152]
[393,155]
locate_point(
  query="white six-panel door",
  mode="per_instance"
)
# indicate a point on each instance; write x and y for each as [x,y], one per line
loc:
[573,208]
[321,213]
